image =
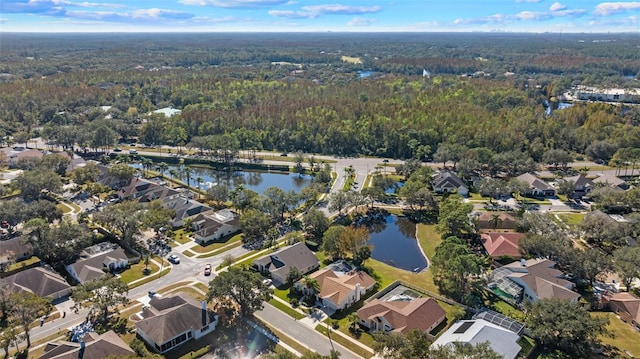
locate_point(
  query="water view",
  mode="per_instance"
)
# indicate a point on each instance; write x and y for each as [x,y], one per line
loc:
[394,242]
[256,181]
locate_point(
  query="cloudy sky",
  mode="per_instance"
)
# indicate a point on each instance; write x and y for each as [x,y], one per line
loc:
[318,15]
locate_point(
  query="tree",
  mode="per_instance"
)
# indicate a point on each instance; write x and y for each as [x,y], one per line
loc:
[218,193]
[353,238]
[453,218]
[56,163]
[315,223]
[590,263]
[243,198]
[293,275]
[156,216]
[123,172]
[254,225]
[626,262]
[59,243]
[311,285]
[557,158]
[331,242]
[338,201]
[162,168]
[243,287]
[277,202]
[102,295]
[466,351]
[32,183]
[8,336]
[457,270]
[562,325]
[87,173]
[495,221]
[26,307]
[492,187]
[417,194]
[566,187]
[600,230]
[299,160]
[362,254]
[414,345]
[125,217]
[601,151]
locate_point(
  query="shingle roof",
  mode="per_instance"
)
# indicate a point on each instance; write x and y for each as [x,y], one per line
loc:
[501,244]
[420,313]
[629,302]
[507,220]
[101,346]
[447,179]
[542,278]
[610,180]
[171,316]
[91,268]
[38,281]
[534,182]
[297,255]
[337,288]
[16,246]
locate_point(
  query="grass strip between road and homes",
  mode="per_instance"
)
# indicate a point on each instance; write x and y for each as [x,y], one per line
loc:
[173,286]
[150,278]
[136,271]
[220,250]
[286,309]
[344,342]
[200,249]
[284,338]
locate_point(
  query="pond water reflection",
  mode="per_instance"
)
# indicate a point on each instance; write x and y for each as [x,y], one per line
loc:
[394,242]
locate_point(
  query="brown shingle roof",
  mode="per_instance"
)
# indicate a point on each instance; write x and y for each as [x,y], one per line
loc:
[418,313]
[629,303]
[173,315]
[101,346]
[337,288]
[38,281]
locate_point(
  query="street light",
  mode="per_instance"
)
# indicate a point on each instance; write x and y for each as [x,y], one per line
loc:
[329,335]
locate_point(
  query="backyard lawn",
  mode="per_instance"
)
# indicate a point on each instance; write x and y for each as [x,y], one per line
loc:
[625,338]
[571,219]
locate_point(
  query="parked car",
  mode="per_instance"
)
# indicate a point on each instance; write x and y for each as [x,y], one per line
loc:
[174,259]
[117,149]
[133,152]
[207,269]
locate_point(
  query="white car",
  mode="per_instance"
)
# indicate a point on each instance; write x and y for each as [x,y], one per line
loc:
[174,259]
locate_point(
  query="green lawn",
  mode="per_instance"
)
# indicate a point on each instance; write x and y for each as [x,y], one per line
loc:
[182,235]
[24,263]
[322,328]
[221,249]
[285,308]
[215,245]
[571,219]
[625,338]
[136,272]
[150,278]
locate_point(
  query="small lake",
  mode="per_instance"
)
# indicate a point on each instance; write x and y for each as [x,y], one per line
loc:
[364,74]
[256,181]
[395,188]
[394,243]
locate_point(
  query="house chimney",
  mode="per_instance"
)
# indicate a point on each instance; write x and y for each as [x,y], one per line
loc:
[523,262]
[81,351]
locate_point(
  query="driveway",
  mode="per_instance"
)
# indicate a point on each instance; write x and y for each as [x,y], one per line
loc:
[307,337]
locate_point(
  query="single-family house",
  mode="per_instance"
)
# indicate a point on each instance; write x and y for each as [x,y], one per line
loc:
[626,306]
[16,154]
[401,316]
[94,262]
[137,188]
[340,291]
[279,263]
[184,208]
[158,193]
[92,346]
[611,181]
[473,332]
[448,182]
[533,279]
[39,281]
[15,249]
[171,321]
[211,226]
[497,221]
[502,244]
[581,185]
[537,187]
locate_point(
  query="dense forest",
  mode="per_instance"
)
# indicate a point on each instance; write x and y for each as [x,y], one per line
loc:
[425,96]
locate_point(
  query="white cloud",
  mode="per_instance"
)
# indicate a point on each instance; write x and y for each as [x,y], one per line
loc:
[528,0]
[341,9]
[531,15]
[235,4]
[608,8]
[556,6]
[288,14]
[361,21]
[153,14]
[493,19]
[314,11]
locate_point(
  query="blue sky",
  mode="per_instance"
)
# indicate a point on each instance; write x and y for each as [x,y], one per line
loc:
[318,15]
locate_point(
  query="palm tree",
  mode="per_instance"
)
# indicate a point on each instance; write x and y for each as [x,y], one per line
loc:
[199,180]
[187,172]
[495,221]
[146,164]
[353,320]
[312,285]
[173,173]
[162,167]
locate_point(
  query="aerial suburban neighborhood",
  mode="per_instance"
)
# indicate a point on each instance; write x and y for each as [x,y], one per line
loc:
[349,202]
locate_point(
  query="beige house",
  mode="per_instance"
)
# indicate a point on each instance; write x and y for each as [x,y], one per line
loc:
[401,316]
[338,292]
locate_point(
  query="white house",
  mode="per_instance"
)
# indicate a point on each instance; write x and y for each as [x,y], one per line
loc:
[473,332]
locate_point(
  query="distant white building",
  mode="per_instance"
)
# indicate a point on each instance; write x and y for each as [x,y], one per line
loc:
[168,111]
[474,332]
[586,93]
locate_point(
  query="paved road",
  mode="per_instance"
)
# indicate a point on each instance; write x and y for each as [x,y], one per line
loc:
[301,333]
